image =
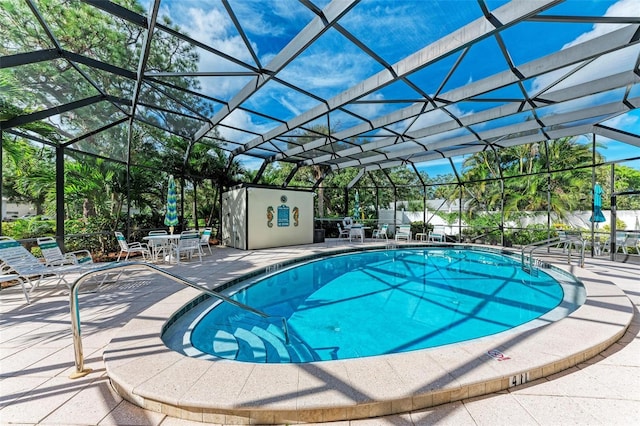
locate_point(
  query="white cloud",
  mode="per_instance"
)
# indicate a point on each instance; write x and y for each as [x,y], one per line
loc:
[621,8]
[371,110]
[253,16]
[209,23]
[289,105]
[629,122]
[241,120]
[249,163]
[603,66]
[325,70]
[435,117]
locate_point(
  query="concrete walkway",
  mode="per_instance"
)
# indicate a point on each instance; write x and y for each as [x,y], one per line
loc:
[37,356]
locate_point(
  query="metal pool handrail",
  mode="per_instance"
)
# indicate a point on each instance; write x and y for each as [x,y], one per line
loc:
[75,311]
[572,238]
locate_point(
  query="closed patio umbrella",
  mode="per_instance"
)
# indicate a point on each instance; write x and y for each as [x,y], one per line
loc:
[597,216]
[356,208]
[171,215]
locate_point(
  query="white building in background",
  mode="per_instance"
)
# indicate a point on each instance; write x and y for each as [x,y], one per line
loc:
[12,210]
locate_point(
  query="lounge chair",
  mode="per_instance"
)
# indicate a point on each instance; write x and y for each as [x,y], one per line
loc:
[53,255]
[15,259]
[403,232]
[14,277]
[134,247]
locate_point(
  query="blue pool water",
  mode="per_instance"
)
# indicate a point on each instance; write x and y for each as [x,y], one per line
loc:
[376,302]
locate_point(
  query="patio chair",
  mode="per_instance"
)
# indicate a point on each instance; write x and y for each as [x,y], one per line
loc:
[158,248]
[134,247]
[204,239]
[562,242]
[620,241]
[631,241]
[436,236]
[187,245]
[569,240]
[53,255]
[596,244]
[347,222]
[381,232]
[403,233]
[356,231]
[343,233]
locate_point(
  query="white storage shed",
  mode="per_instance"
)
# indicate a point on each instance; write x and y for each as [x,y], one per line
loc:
[259,217]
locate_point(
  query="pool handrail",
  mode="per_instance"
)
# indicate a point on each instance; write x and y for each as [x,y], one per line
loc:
[75,311]
[569,238]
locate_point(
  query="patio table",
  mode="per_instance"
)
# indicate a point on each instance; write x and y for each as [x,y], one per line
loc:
[160,242]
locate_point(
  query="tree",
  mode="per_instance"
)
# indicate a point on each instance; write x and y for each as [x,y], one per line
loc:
[536,176]
[85,30]
[27,172]
[627,179]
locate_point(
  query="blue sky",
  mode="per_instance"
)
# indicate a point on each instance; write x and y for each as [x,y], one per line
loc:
[393,29]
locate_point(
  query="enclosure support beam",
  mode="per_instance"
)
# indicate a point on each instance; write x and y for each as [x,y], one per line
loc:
[593,184]
[60,213]
[613,248]
[1,178]
[263,166]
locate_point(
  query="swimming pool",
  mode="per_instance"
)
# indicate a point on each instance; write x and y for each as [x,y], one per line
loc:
[377,302]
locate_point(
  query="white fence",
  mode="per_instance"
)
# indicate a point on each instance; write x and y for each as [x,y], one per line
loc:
[577,220]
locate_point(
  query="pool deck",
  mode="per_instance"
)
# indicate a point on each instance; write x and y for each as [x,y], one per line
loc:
[591,362]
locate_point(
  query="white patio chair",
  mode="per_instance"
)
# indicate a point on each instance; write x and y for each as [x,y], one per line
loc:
[436,236]
[381,232]
[356,231]
[342,233]
[134,247]
[187,245]
[631,241]
[204,239]
[620,240]
[54,256]
[595,243]
[347,222]
[158,248]
[403,232]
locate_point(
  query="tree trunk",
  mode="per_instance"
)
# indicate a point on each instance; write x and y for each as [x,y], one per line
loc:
[320,211]
[88,209]
[195,205]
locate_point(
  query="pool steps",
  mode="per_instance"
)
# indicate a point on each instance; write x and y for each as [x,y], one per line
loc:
[277,344]
[251,344]
[257,344]
[225,345]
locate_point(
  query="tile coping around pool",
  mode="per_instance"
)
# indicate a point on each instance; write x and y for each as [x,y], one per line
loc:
[144,371]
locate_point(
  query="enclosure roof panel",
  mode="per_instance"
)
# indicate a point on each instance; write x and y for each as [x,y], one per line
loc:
[370,84]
